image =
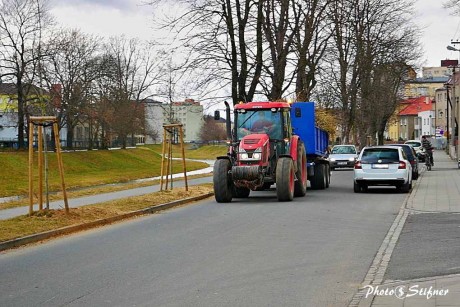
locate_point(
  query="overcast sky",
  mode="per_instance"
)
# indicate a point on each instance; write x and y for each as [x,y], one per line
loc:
[113,17]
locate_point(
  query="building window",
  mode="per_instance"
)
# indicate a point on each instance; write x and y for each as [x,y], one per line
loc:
[439,113]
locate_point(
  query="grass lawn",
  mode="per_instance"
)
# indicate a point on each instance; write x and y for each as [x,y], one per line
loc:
[89,168]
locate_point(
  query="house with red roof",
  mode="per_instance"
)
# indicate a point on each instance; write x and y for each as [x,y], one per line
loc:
[417,118]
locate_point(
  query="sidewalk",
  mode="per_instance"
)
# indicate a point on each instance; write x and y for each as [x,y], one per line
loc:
[99,198]
[437,190]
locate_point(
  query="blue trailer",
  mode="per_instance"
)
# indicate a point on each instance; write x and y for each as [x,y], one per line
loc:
[316,143]
[272,143]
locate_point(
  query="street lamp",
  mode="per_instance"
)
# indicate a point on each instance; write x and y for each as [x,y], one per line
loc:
[449,47]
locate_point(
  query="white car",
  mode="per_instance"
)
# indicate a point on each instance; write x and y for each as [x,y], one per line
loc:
[382,165]
[343,156]
[419,151]
[416,144]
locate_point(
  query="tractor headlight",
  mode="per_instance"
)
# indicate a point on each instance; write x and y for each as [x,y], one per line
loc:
[242,154]
[257,154]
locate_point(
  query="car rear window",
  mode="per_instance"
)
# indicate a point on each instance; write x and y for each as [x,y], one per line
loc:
[380,155]
[407,151]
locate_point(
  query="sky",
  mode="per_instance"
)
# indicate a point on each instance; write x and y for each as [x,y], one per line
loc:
[439,29]
[114,17]
[130,17]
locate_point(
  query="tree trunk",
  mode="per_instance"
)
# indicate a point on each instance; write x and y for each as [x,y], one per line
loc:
[70,135]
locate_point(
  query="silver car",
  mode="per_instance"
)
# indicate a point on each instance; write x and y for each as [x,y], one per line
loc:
[343,156]
[382,165]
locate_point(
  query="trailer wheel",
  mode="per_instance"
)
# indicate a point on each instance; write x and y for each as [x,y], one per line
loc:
[318,181]
[300,186]
[240,192]
[221,180]
[328,175]
[285,179]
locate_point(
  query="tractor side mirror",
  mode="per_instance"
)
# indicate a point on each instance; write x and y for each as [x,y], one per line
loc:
[216,115]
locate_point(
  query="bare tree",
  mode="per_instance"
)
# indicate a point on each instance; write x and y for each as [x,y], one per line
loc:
[211,130]
[312,40]
[373,40]
[223,39]
[21,26]
[281,25]
[453,5]
[71,64]
[131,70]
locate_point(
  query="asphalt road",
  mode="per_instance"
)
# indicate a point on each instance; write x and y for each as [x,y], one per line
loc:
[314,251]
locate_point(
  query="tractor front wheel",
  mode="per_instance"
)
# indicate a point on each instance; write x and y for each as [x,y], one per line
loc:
[285,179]
[222,182]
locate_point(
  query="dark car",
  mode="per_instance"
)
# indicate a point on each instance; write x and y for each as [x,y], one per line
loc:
[411,156]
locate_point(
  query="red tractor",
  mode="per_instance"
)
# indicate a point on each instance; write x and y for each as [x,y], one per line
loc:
[263,151]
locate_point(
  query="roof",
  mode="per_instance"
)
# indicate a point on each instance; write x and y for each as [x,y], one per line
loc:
[11,89]
[417,105]
[261,105]
[430,80]
[8,88]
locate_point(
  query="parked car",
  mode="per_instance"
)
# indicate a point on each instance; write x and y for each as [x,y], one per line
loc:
[343,156]
[411,156]
[417,145]
[382,165]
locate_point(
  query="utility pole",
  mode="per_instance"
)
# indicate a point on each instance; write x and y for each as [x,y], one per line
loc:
[455,110]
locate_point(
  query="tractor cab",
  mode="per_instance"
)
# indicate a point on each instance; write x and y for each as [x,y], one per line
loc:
[267,118]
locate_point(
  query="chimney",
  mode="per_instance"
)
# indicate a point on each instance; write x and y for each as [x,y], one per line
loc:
[56,94]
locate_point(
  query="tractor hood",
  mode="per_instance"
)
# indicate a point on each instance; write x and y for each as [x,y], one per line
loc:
[254,141]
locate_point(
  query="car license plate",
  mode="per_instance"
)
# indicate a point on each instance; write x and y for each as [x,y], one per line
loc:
[341,163]
[380,166]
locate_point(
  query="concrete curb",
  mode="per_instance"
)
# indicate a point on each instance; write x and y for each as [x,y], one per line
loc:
[71,229]
[382,259]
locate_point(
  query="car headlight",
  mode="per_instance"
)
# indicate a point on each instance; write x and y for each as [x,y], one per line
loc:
[332,159]
[351,159]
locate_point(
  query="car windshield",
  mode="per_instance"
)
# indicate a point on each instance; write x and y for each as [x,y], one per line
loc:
[380,155]
[343,150]
[414,144]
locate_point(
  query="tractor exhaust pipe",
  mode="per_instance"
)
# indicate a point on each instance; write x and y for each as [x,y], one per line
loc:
[228,121]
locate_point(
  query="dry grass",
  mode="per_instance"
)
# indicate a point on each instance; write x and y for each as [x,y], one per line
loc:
[54,219]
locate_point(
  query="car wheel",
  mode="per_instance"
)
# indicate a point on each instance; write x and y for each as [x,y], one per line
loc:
[356,187]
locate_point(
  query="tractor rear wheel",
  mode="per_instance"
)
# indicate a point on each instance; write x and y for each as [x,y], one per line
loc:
[222,183]
[300,186]
[285,179]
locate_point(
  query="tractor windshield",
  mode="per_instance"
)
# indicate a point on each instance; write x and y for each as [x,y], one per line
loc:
[257,122]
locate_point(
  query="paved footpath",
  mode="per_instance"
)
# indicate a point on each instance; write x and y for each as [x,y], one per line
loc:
[99,198]
[435,191]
